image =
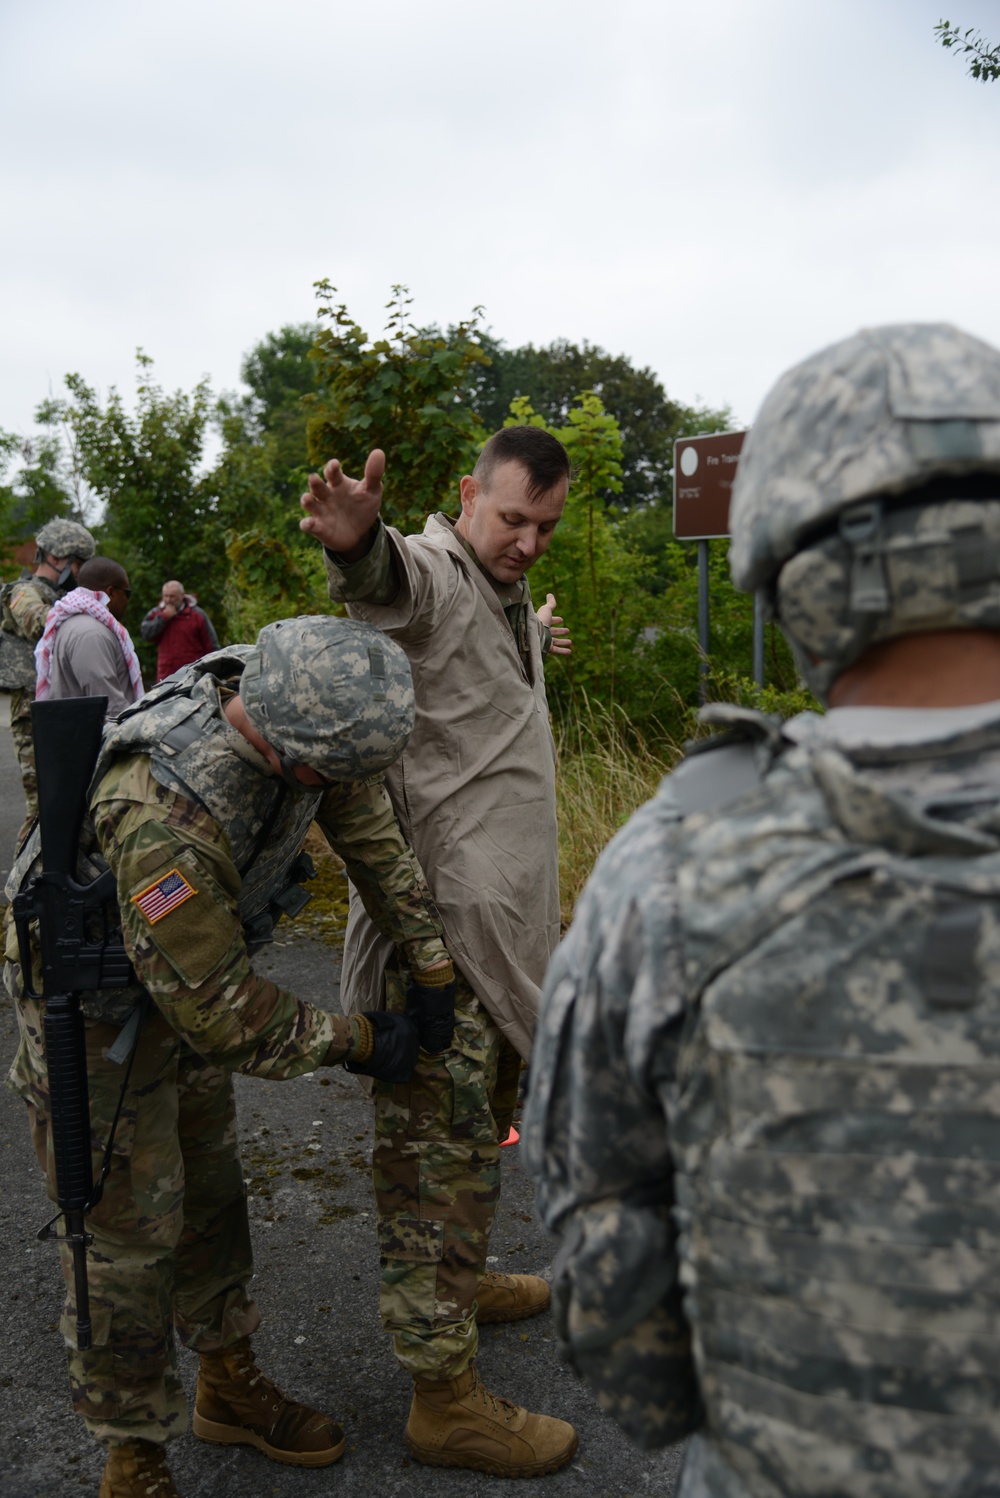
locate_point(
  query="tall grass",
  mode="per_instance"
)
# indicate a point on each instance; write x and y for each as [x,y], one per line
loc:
[604,771]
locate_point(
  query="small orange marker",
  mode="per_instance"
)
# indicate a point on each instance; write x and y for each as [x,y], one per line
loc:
[512,1137]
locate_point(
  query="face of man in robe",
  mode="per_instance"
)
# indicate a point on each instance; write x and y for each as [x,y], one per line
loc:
[506,529]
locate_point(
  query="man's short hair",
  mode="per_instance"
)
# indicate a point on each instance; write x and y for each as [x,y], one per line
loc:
[101,574]
[542,456]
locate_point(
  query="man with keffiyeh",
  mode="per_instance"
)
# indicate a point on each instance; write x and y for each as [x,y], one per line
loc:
[85,650]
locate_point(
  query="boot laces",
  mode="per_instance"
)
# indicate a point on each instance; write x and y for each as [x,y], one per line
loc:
[494,1402]
[151,1469]
[256,1378]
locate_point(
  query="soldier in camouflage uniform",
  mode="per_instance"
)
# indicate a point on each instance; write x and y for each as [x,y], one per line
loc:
[202,796]
[765,1112]
[62,548]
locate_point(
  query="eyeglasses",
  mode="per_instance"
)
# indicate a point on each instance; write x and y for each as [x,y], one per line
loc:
[116,589]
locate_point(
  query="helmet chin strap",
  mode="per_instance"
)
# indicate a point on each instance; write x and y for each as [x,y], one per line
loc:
[65,577]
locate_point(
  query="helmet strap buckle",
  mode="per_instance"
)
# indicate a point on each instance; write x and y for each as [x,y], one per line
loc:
[861,528]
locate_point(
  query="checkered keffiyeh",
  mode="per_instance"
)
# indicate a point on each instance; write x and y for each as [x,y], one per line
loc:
[83,601]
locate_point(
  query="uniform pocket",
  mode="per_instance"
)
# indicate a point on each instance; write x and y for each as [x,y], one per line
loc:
[185,915]
[411,1240]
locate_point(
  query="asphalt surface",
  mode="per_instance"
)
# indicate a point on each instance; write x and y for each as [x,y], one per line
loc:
[306,1150]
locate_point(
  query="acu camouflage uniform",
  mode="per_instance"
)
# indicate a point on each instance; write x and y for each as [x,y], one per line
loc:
[765,1111]
[25,609]
[179,791]
[767,1093]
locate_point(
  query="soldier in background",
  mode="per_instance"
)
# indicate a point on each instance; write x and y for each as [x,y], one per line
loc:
[202,796]
[62,548]
[765,1113]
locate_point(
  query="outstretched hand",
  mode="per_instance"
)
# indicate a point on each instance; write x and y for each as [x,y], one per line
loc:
[340,511]
[561,642]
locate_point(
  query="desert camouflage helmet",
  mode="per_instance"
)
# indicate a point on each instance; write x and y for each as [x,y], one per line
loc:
[329,693]
[65,538]
[878,414]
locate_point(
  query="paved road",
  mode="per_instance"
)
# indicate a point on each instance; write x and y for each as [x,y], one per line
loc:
[306,1148]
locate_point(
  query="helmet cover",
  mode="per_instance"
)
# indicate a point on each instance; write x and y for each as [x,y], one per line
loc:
[883,412]
[65,538]
[333,694]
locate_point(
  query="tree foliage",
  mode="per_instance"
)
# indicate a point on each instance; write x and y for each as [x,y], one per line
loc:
[594,574]
[280,373]
[402,392]
[47,480]
[984,60]
[160,517]
[552,378]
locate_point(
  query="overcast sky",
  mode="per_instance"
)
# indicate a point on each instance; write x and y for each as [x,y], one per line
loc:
[715,190]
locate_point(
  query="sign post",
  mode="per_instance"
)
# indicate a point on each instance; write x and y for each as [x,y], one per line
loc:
[704,469]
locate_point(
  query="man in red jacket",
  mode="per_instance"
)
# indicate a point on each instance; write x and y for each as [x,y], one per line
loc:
[182,631]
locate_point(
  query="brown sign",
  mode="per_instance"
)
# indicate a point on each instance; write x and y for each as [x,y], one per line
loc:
[704,469]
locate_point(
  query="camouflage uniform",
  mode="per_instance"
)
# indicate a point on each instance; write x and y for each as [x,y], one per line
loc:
[171,1237]
[25,610]
[764,1098]
[436,1171]
[26,604]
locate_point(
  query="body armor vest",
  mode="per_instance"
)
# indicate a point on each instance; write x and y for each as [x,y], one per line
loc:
[17,655]
[835,1127]
[193,750]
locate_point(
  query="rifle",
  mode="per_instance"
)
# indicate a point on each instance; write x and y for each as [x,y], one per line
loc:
[79,951]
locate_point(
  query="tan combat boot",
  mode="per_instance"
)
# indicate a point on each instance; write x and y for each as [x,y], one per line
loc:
[137,1469]
[237,1405]
[511,1297]
[456,1422]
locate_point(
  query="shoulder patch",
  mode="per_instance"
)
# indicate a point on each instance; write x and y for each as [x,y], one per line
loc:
[159,899]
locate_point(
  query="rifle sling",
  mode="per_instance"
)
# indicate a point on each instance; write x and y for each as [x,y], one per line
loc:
[126,1044]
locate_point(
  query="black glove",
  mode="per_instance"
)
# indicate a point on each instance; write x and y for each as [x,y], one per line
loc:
[433,1010]
[396,1043]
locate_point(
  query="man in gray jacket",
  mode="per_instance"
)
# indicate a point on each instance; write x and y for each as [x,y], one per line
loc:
[764,1116]
[87,652]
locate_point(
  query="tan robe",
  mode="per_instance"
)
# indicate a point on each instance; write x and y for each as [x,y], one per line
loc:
[475,788]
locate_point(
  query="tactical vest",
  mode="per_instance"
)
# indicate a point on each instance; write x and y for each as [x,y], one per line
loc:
[835,1127]
[17,655]
[193,750]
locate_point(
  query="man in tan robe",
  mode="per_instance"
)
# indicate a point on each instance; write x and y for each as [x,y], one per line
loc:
[475,793]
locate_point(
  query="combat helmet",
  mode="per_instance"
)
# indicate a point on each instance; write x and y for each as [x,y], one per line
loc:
[333,694]
[867,498]
[64,538]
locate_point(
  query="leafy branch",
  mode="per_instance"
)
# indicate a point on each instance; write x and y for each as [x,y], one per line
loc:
[984,60]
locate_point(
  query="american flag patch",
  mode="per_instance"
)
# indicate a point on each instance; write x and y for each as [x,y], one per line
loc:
[164,896]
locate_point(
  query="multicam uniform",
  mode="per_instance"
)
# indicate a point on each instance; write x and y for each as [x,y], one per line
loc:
[25,610]
[201,837]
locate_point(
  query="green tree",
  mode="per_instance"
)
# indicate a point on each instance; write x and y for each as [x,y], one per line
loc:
[45,483]
[984,60]
[551,378]
[403,392]
[160,516]
[593,572]
[280,373]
